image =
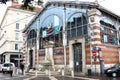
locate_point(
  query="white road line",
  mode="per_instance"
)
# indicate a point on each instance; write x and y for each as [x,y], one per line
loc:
[52,78]
[30,78]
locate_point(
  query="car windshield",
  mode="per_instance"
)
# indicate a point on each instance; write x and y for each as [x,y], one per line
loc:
[7,65]
[117,66]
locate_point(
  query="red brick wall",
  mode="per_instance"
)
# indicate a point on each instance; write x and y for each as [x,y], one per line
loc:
[109,54]
[58,57]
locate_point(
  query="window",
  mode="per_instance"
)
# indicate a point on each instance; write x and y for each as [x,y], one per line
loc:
[31,40]
[16,46]
[51,30]
[77,25]
[17,25]
[108,33]
[17,36]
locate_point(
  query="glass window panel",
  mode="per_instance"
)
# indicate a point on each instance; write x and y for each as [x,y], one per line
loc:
[68,25]
[84,21]
[16,46]
[79,31]
[73,32]
[17,36]
[79,21]
[68,33]
[17,25]
[85,29]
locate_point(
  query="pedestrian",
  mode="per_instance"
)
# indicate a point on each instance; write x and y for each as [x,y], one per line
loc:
[11,71]
[22,68]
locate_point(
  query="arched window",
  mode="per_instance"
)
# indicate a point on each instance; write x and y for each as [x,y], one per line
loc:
[76,25]
[108,33]
[31,40]
[51,30]
[32,34]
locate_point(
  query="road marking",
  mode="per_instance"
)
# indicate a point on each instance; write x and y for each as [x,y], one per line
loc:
[52,78]
[84,78]
[30,78]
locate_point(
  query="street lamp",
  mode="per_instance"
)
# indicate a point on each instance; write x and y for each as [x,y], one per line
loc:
[64,37]
[37,47]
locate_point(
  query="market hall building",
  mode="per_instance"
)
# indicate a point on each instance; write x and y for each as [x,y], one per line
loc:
[75,35]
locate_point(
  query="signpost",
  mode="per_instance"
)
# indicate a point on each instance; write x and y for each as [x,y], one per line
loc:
[94,55]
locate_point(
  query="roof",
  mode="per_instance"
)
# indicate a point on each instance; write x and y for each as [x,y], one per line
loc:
[71,3]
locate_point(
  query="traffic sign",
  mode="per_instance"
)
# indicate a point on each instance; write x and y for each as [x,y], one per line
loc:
[93,53]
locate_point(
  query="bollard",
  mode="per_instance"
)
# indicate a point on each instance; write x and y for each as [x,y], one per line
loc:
[49,72]
[23,72]
[46,71]
[17,71]
[63,72]
[72,73]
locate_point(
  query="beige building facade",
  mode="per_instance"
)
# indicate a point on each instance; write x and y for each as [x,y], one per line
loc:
[11,36]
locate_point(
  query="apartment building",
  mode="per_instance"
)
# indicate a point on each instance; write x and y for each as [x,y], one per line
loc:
[11,36]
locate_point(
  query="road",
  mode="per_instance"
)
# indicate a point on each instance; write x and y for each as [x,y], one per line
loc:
[56,77]
[7,76]
[75,78]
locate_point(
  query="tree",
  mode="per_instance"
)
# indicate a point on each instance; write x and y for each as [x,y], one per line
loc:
[26,3]
[3,1]
[40,2]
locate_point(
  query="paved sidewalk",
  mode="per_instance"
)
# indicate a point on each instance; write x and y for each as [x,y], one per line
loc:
[57,76]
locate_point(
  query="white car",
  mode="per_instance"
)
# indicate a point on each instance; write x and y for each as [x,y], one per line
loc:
[7,67]
[0,67]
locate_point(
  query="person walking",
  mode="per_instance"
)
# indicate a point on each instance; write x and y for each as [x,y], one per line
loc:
[11,71]
[22,68]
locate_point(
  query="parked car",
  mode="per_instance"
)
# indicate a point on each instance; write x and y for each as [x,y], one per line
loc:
[113,71]
[7,67]
[0,67]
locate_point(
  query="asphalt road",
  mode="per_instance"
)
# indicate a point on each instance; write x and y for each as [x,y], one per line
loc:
[56,77]
[76,78]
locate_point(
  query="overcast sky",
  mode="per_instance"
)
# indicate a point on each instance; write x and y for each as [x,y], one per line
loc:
[112,5]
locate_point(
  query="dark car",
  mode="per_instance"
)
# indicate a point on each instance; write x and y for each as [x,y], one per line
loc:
[113,71]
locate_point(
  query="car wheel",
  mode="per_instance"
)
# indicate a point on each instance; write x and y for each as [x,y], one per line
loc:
[114,74]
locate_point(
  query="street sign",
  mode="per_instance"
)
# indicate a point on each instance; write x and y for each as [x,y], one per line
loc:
[94,48]
[93,53]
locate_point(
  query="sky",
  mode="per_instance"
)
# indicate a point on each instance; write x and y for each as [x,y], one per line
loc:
[112,5]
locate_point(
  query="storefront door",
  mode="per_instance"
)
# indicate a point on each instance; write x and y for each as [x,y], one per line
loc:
[31,59]
[77,48]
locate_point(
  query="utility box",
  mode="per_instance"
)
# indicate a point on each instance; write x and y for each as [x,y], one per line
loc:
[89,72]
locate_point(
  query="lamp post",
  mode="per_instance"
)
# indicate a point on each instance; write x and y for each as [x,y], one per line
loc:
[64,38]
[37,47]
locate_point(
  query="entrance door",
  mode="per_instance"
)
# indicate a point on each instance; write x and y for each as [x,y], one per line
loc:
[31,59]
[77,48]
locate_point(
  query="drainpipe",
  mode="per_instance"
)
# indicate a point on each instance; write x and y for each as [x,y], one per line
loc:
[118,45]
